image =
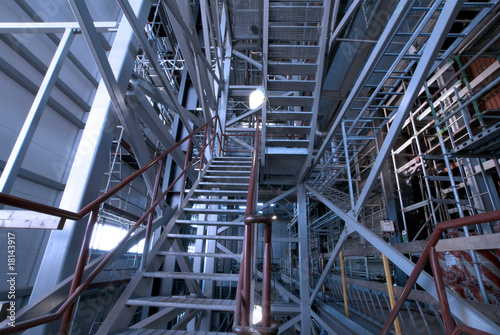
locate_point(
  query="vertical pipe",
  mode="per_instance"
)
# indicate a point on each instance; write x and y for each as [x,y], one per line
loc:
[186,162]
[323,290]
[390,289]
[344,289]
[202,156]
[80,265]
[149,227]
[247,270]
[266,280]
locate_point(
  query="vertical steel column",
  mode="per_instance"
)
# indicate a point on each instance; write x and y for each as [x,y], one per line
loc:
[303,260]
[266,280]
[27,132]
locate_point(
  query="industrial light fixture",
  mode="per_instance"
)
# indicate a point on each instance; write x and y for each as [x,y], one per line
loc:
[257,98]
[257,314]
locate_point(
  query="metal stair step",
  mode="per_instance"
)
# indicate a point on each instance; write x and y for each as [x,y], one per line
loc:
[219,201]
[185,303]
[294,33]
[293,51]
[291,85]
[222,193]
[191,275]
[227,179]
[214,211]
[232,162]
[206,237]
[225,186]
[288,143]
[198,254]
[230,167]
[295,13]
[288,130]
[291,101]
[289,116]
[307,69]
[227,173]
[222,158]
[211,223]
[224,305]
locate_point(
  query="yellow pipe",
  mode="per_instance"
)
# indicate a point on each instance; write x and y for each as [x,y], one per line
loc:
[390,289]
[344,289]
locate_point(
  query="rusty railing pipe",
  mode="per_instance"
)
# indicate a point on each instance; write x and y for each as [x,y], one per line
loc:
[433,239]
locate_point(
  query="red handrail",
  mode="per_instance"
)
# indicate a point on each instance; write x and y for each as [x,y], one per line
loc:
[77,287]
[10,200]
[429,253]
[242,324]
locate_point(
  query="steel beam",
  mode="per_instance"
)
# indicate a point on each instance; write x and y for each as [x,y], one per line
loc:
[326,271]
[303,247]
[55,39]
[31,87]
[38,65]
[296,319]
[375,56]
[146,46]
[432,47]
[149,116]
[88,166]
[117,97]
[27,132]
[168,100]
[459,307]
[52,27]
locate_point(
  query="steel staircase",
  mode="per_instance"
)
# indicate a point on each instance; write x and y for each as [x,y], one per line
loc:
[209,225]
[292,75]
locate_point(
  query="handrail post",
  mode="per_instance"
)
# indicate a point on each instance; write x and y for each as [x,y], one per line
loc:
[441,292]
[186,162]
[266,278]
[80,265]
[149,227]
[202,157]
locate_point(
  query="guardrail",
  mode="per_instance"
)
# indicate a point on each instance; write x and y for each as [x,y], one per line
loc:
[77,287]
[242,324]
[430,253]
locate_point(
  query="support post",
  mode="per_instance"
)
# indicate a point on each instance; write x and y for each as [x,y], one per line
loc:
[80,266]
[303,261]
[27,132]
[390,290]
[344,288]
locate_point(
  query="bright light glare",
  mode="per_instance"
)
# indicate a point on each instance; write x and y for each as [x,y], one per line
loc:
[257,314]
[274,217]
[257,97]
[107,237]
